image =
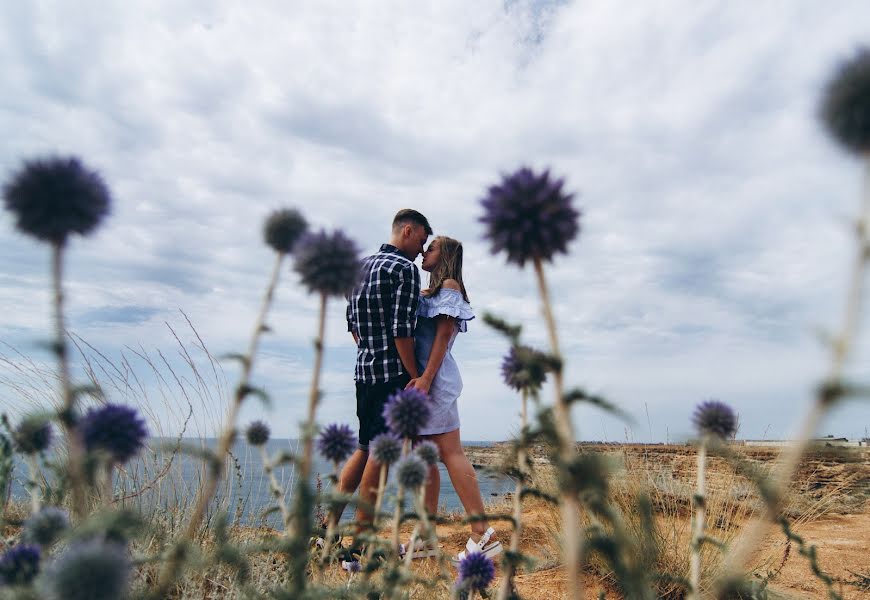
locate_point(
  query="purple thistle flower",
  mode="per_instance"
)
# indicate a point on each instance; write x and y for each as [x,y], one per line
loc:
[845,107]
[411,471]
[19,565]
[283,229]
[92,570]
[407,412]
[55,197]
[32,435]
[529,216]
[116,429]
[328,263]
[428,451]
[337,442]
[524,368]
[476,571]
[386,448]
[45,527]
[715,418]
[257,433]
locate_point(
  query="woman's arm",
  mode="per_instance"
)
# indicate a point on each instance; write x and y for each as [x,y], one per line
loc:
[444,326]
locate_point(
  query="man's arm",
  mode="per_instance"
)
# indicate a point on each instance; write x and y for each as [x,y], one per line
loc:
[405,347]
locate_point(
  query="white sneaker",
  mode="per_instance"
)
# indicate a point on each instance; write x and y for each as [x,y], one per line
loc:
[483,546]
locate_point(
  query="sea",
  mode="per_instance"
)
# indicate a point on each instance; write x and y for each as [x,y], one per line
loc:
[167,475]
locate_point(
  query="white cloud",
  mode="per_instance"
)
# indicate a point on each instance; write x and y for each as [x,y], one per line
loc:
[714,237]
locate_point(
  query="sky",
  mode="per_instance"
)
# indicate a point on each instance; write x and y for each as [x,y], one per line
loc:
[715,241]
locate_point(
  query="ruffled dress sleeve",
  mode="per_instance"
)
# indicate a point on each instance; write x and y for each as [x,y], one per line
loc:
[446,302]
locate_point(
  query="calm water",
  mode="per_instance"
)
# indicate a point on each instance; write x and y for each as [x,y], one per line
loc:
[245,492]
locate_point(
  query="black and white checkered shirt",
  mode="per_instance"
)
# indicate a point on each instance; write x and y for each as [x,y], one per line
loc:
[383,306]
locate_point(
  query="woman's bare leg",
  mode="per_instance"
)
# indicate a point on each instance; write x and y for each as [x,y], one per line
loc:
[462,476]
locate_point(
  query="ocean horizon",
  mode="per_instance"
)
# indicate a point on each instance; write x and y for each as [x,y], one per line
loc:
[167,475]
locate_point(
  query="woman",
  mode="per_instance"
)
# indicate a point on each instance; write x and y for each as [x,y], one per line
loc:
[442,313]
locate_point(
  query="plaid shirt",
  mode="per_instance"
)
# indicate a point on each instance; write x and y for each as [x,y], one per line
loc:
[383,306]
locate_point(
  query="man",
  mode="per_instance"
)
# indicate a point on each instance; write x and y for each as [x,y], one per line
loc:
[381,315]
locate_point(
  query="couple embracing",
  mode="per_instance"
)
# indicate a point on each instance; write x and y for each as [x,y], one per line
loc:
[404,335]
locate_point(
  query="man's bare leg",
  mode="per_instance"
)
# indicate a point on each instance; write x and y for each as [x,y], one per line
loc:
[349,478]
[368,491]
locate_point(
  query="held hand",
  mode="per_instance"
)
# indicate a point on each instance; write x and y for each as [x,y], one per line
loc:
[421,383]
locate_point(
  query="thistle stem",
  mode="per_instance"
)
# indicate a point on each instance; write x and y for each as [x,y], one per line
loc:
[75,448]
[700,504]
[379,499]
[108,485]
[510,568]
[565,431]
[314,394]
[33,485]
[277,490]
[330,528]
[228,433]
[790,458]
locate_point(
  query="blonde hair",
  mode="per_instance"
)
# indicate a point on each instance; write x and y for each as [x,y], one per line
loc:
[449,265]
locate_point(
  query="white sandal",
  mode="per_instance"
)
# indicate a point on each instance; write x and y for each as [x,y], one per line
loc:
[423,549]
[483,546]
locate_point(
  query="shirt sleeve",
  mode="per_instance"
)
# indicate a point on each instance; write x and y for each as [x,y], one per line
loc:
[407,297]
[348,314]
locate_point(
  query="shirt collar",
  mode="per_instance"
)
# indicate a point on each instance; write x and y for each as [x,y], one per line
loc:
[389,248]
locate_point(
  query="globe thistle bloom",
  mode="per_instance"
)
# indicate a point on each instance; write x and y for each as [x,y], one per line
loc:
[115,429]
[386,448]
[92,570]
[328,263]
[19,565]
[716,419]
[32,435]
[257,433]
[283,229]
[476,571]
[55,197]
[337,442]
[524,368]
[845,107]
[428,451]
[45,527]
[411,471]
[407,412]
[529,216]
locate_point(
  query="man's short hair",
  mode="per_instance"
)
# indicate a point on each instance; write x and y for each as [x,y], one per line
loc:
[409,216]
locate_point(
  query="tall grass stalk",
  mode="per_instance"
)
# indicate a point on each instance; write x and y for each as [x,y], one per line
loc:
[213,473]
[565,431]
[831,390]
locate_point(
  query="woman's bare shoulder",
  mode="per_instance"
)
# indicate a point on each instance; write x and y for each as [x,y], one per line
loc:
[451,284]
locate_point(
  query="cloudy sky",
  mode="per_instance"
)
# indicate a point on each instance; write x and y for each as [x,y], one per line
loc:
[715,231]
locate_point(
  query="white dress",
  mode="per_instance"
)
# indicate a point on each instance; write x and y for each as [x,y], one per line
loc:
[447,383]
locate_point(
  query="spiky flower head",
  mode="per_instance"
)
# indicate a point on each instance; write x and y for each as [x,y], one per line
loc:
[524,368]
[45,527]
[336,442]
[91,570]
[283,229]
[529,216]
[407,412]
[257,433]
[715,418]
[55,197]
[428,451]
[19,565]
[328,262]
[411,471]
[386,448]
[115,429]
[32,435]
[845,107]
[476,571]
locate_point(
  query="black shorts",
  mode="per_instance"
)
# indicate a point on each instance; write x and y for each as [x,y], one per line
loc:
[370,400]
